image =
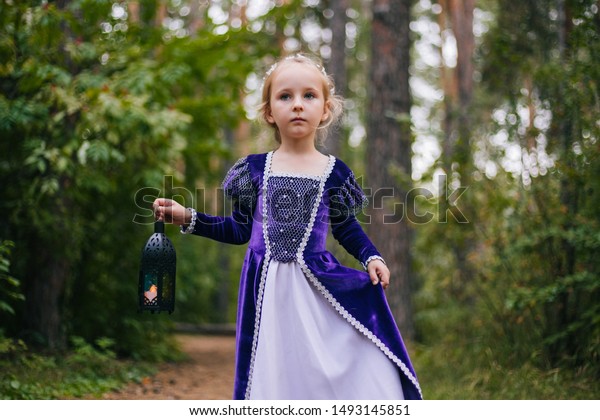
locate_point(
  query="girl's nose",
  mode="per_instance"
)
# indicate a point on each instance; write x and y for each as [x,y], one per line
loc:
[297,105]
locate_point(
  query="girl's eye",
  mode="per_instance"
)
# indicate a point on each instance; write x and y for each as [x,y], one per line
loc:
[310,95]
[285,97]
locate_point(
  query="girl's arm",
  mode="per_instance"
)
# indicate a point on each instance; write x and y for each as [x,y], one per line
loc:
[350,234]
[234,229]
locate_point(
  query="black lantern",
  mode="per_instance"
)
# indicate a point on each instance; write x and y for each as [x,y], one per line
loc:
[156,288]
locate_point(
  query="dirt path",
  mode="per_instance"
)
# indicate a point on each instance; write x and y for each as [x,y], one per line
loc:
[206,375]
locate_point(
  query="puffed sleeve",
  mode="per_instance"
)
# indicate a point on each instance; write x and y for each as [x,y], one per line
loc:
[236,228]
[238,184]
[348,199]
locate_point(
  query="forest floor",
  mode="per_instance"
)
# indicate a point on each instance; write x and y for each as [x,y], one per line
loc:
[206,373]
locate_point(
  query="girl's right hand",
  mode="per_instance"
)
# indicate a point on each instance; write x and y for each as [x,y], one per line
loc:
[170,211]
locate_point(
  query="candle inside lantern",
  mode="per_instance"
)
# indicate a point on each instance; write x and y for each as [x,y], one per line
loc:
[150,290]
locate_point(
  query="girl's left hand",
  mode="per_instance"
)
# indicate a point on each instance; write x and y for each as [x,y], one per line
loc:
[379,272]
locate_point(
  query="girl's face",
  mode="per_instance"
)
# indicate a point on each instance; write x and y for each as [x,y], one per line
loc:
[297,102]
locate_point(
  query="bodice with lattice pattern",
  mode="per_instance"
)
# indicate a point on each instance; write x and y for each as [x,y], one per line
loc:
[290,203]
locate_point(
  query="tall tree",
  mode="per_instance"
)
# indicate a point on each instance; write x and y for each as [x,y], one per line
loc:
[337,63]
[44,295]
[389,149]
[456,18]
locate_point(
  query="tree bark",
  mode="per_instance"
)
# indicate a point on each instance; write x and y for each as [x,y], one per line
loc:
[389,150]
[44,291]
[196,17]
[337,65]
[569,192]
[49,268]
[458,83]
[456,160]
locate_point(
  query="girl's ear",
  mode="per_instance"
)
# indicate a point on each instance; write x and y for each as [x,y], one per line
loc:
[326,111]
[269,116]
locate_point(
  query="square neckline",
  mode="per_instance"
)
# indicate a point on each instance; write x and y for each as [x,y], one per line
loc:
[280,174]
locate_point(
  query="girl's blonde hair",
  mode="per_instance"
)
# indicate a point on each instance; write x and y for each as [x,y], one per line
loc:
[334,103]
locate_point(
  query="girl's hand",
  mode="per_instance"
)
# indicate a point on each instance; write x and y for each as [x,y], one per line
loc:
[170,211]
[379,272]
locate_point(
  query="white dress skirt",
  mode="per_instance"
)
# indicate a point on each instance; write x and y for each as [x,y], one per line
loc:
[307,351]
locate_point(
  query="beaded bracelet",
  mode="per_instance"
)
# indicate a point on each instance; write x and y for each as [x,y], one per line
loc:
[371,258]
[192,224]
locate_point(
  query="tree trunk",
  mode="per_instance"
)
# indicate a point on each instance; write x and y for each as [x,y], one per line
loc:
[461,14]
[458,83]
[196,17]
[389,149]
[337,65]
[133,9]
[47,272]
[456,160]
[44,291]
[569,191]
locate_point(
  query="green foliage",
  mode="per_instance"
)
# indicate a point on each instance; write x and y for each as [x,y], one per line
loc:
[9,286]
[551,242]
[488,349]
[87,371]
[527,320]
[97,110]
[83,134]
[464,370]
[552,309]
[89,118]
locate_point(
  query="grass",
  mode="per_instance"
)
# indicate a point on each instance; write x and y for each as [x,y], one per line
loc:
[449,372]
[86,371]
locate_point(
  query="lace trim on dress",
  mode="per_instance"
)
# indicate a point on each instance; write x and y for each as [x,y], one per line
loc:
[312,278]
[263,276]
[313,214]
[190,228]
[359,326]
[293,175]
[371,258]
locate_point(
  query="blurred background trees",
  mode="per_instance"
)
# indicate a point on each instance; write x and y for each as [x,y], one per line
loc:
[488,134]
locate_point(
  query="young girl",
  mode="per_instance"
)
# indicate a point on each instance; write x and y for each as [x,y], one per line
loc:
[307,327]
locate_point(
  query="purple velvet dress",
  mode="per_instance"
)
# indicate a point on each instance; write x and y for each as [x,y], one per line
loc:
[286,219]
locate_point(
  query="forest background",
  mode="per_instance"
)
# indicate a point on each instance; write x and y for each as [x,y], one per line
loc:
[490,116]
